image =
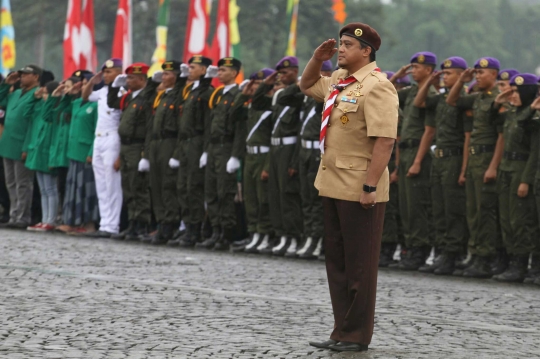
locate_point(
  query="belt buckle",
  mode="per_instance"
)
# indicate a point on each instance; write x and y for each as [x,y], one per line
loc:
[473,152]
[440,153]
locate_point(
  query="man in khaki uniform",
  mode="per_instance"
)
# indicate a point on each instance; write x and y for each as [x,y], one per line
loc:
[359,127]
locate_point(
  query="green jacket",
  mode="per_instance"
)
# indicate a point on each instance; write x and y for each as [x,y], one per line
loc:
[41,135]
[487,123]
[19,115]
[84,117]
[61,123]
[414,119]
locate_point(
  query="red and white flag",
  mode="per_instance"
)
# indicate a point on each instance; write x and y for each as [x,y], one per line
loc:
[198,25]
[87,38]
[122,33]
[221,46]
[72,45]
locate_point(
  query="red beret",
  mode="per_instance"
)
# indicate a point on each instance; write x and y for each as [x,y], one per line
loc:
[362,32]
[138,68]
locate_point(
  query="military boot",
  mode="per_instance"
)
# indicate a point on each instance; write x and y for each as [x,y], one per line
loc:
[167,231]
[516,270]
[415,259]
[256,240]
[534,272]
[430,268]
[479,269]
[292,249]
[240,246]
[310,251]
[500,264]
[321,255]
[265,247]
[143,229]
[125,232]
[175,241]
[387,254]
[133,235]
[209,243]
[224,241]
[149,237]
[317,252]
[447,264]
[281,248]
[403,255]
[194,237]
[462,264]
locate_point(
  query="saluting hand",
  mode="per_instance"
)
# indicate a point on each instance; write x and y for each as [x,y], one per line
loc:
[12,78]
[75,89]
[271,80]
[435,78]
[96,79]
[326,50]
[467,75]
[59,90]
[39,93]
[248,88]
[503,96]
[536,104]
[403,71]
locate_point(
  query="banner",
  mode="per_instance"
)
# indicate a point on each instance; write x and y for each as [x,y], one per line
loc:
[160,53]
[88,60]
[122,33]
[71,38]
[221,46]
[234,35]
[292,11]
[339,8]
[7,33]
[198,26]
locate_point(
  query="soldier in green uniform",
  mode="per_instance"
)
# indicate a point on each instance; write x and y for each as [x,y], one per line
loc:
[136,106]
[417,132]
[453,131]
[160,144]
[193,131]
[257,162]
[517,207]
[284,184]
[503,80]
[224,152]
[533,276]
[485,152]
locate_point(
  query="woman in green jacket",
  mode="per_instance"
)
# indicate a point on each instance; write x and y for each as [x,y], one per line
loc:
[37,158]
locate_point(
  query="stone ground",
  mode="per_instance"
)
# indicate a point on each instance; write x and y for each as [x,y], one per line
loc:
[67,297]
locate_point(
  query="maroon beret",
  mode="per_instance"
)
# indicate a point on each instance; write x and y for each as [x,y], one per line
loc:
[362,32]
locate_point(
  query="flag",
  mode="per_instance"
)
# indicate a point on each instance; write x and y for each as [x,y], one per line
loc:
[88,60]
[292,11]
[72,50]
[221,46]
[198,26]
[122,33]
[234,35]
[7,60]
[160,53]
[339,8]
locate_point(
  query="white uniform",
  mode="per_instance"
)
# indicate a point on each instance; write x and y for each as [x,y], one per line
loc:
[106,152]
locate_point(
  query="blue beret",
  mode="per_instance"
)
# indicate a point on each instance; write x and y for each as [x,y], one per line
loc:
[327,66]
[524,79]
[262,74]
[287,61]
[507,74]
[487,63]
[110,63]
[454,62]
[424,58]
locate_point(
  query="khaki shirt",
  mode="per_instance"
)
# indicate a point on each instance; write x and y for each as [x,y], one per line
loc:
[352,131]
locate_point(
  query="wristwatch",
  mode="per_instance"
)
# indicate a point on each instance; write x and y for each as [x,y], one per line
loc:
[369,189]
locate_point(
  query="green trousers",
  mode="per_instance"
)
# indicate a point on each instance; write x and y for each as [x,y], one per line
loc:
[415,201]
[163,182]
[190,183]
[220,187]
[256,195]
[284,191]
[449,205]
[391,215]
[482,208]
[519,222]
[536,244]
[135,184]
[312,208]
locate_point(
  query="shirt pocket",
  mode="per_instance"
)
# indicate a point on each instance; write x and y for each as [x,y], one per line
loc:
[347,115]
[352,163]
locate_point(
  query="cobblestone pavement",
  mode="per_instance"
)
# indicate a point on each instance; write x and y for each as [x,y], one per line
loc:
[67,297]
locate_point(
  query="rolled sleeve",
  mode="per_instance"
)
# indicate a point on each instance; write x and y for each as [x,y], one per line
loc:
[381,110]
[320,89]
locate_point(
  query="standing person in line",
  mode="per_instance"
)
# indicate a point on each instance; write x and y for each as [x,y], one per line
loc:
[16,136]
[358,131]
[106,156]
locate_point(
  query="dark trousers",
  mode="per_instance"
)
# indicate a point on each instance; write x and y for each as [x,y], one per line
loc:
[352,245]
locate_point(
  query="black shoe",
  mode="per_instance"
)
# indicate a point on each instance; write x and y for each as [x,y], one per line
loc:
[534,272]
[193,238]
[210,242]
[225,240]
[179,236]
[163,235]
[516,270]
[266,245]
[321,256]
[479,269]
[313,251]
[349,347]
[465,262]
[18,225]
[5,225]
[447,264]
[140,230]
[323,345]
[537,281]
[256,240]
[416,257]
[99,234]
[292,248]
[430,268]
[500,264]
[387,254]
[240,246]
[281,248]
[122,235]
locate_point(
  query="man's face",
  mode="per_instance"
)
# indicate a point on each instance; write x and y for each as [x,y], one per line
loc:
[109,74]
[169,79]
[288,76]
[503,85]
[226,74]
[486,78]
[420,72]
[350,51]
[196,71]
[256,85]
[450,76]
[68,84]
[135,82]
[29,79]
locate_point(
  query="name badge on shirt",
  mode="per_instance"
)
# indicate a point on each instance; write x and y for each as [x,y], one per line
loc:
[349,100]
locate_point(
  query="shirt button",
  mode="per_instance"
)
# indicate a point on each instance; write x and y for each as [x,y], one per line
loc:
[328,125]
[335,105]
[324,167]
[350,166]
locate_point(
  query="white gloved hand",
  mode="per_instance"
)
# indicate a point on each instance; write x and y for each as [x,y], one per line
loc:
[120,81]
[184,70]
[243,84]
[211,71]
[174,163]
[144,165]
[202,161]
[233,164]
[157,76]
